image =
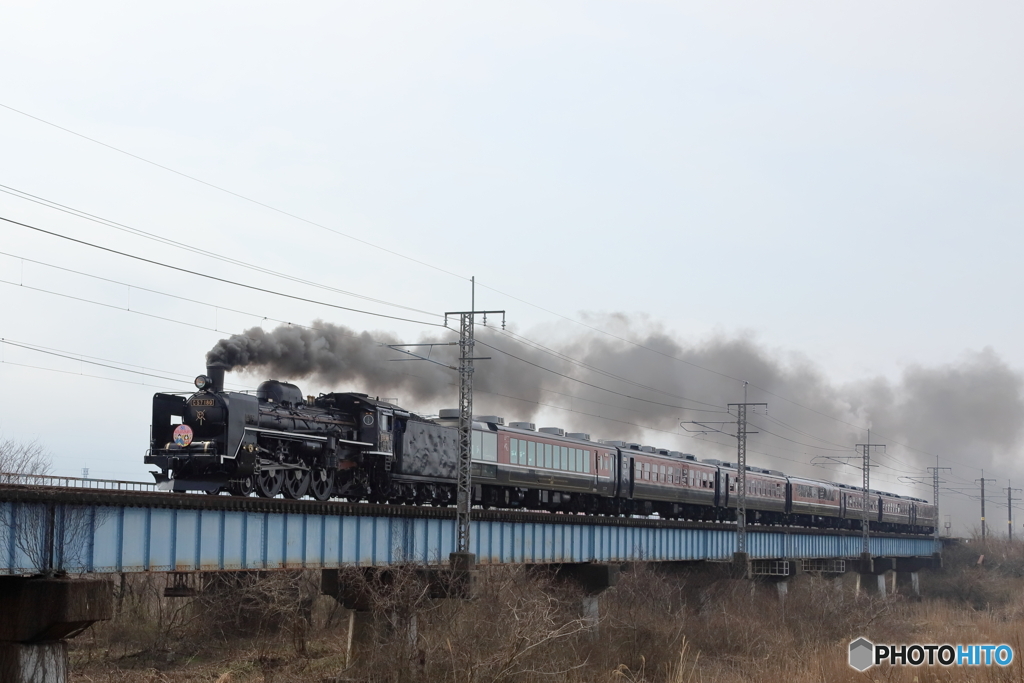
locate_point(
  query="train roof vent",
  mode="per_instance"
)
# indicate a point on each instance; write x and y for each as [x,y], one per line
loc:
[713,461]
[633,446]
[778,473]
[665,451]
[582,436]
[618,444]
[448,414]
[676,454]
[530,426]
[648,449]
[494,419]
[690,456]
[557,431]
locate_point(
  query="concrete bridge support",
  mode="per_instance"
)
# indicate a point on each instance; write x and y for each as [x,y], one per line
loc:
[594,579]
[38,616]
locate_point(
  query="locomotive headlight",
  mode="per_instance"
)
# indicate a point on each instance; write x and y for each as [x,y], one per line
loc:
[203,382]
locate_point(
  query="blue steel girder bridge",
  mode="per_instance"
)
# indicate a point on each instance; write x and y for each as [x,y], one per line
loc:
[47,529]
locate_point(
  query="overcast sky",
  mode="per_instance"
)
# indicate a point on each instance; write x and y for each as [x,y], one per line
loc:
[835,187]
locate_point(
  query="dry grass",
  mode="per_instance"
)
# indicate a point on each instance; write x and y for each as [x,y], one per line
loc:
[659,624]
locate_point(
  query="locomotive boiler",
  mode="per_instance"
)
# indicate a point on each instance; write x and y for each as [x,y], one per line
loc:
[278,441]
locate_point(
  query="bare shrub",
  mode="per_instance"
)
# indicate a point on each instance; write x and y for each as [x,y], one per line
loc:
[645,615]
[24,458]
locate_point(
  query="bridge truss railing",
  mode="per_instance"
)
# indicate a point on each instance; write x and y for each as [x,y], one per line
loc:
[20,479]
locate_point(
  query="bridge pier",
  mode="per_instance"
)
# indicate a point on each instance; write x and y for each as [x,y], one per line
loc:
[38,616]
[594,579]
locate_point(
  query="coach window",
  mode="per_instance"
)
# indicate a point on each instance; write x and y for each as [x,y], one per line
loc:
[513,451]
[586,462]
[477,443]
[531,453]
[490,444]
[564,451]
[547,456]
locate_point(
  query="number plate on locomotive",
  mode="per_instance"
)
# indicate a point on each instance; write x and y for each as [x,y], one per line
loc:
[200,402]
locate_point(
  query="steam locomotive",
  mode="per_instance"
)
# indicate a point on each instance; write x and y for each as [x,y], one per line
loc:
[351,446]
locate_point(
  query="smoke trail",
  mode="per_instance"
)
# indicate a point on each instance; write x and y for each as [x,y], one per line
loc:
[971,410]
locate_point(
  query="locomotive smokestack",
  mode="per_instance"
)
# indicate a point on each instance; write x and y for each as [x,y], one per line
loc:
[215,371]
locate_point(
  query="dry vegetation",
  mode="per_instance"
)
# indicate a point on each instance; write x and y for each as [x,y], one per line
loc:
[526,626]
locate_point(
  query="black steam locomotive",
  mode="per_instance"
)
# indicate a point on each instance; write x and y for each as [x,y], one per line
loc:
[348,445]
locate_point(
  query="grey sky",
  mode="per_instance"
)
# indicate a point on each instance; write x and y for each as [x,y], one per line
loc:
[837,183]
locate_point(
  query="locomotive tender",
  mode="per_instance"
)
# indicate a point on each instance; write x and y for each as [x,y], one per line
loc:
[348,445]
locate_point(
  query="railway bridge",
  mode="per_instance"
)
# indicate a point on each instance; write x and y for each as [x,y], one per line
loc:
[51,528]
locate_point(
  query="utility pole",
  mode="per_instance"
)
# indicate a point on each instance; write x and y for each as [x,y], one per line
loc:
[865,451]
[983,480]
[741,464]
[461,558]
[740,556]
[1009,509]
[935,490]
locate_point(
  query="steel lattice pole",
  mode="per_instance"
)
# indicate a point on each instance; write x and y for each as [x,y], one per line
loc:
[867,482]
[465,482]
[741,482]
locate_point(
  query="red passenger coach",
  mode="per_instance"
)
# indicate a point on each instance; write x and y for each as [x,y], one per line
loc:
[671,483]
[814,503]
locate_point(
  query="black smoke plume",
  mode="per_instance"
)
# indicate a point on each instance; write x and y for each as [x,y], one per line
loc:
[643,383]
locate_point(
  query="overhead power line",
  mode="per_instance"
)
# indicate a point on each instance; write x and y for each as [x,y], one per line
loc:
[233,193]
[214,277]
[103,362]
[193,249]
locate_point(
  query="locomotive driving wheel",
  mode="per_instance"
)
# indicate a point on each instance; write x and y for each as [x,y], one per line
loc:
[296,483]
[269,483]
[321,484]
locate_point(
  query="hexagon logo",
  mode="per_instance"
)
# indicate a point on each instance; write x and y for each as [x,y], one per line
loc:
[862,654]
